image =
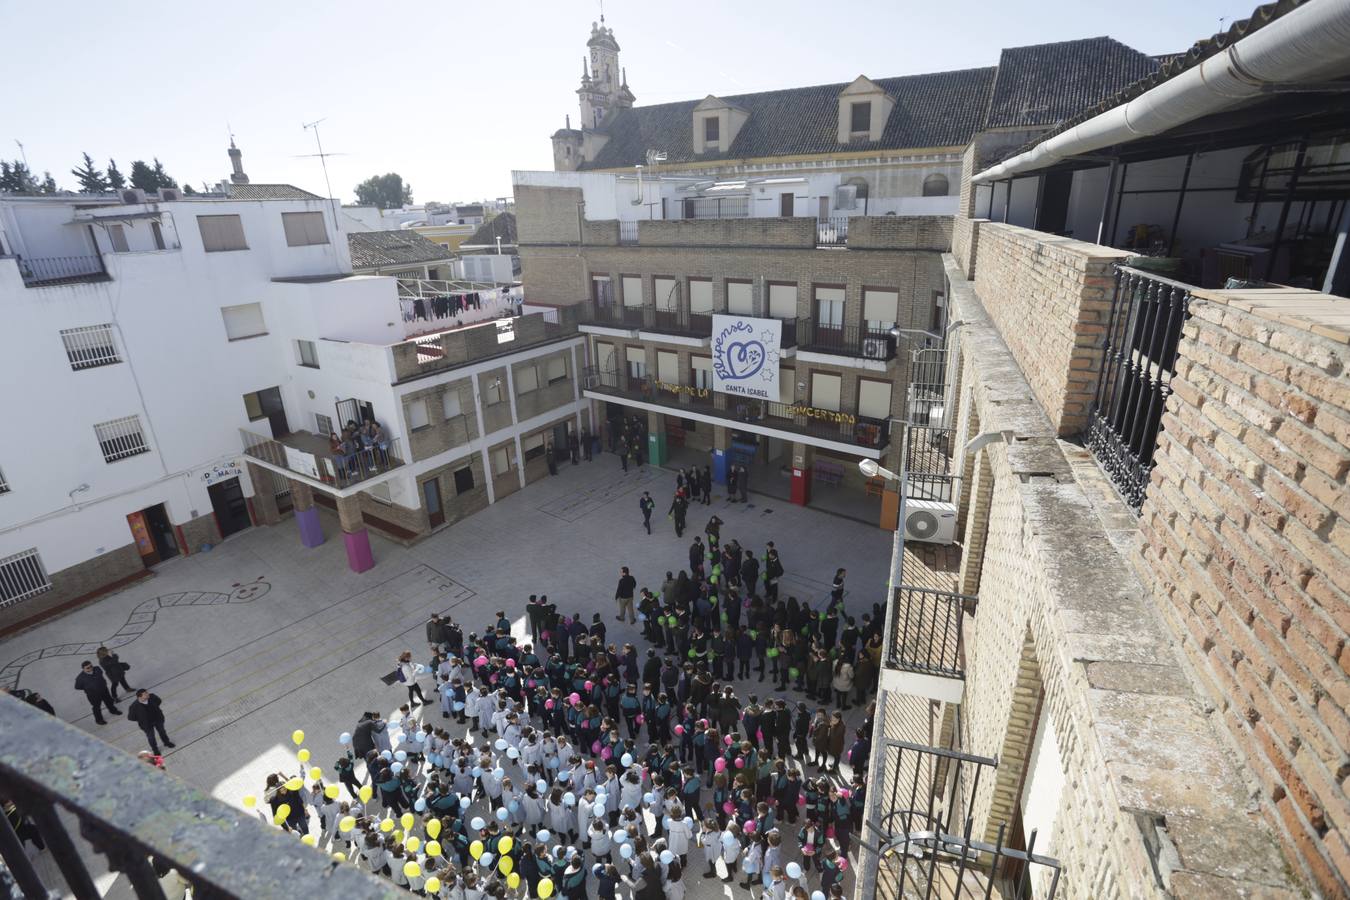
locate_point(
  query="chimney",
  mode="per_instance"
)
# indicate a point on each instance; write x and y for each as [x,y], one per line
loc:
[237,163]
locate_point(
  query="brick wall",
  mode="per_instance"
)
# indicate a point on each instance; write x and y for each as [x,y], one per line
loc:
[198,531]
[547,215]
[795,233]
[479,342]
[1050,298]
[1246,543]
[900,233]
[75,584]
[442,433]
[966,243]
[460,505]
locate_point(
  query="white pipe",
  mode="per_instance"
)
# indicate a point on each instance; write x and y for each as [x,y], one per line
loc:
[1306,44]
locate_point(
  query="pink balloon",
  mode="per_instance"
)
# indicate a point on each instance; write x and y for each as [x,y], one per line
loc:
[749,827]
[492,679]
[640,719]
[595,748]
[801,801]
[679,729]
[606,753]
[590,686]
[510,663]
[548,704]
[740,763]
[720,764]
[480,661]
[531,683]
[845,793]
[575,698]
[727,740]
[728,807]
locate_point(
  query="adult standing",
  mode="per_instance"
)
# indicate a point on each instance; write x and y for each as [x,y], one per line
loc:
[623,594]
[552,458]
[145,711]
[95,687]
[705,484]
[647,504]
[407,673]
[115,669]
[586,442]
[743,483]
[574,448]
[679,508]
[732,473]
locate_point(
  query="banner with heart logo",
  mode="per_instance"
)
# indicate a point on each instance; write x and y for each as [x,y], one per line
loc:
[745,353]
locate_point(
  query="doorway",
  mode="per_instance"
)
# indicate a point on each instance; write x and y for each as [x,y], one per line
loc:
[785,205]
[431,497]
[353,410]
[153,535]
[230,507]
[561,449]
[824,208]
[269,401]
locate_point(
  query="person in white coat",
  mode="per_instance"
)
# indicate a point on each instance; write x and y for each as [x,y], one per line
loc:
[601,842]
[407,673]
[674,883]
[731,849]
[710,839]
[679,833]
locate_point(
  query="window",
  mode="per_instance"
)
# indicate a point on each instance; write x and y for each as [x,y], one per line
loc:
[533,446]
[825,391]
[829,307]
[700,296]
[879,309]
[121,438]
[450,404]
[860,117]
[783,301]
[254,406]
[874,398]
[308,354]
[4,485]
[668,367]
[304,229]
[935,185]
[602,290]
[492,392]
[380,492]
[632,290]
[157,233]
[556,369]
[712,129]
[89,347]
[22,576]
[787,386]
[117,234]
[323,423]
[527,379]
[701,370]
[740,298]
[501,460]
[243,321]
[221,233]
[637,361]
[667,293]
[417,415]
[464,480]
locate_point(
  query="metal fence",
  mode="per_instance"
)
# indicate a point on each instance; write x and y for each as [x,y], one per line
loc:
[90,346]
[710,208]
[832,231]
[927,635]
[845,340]
[145,823]
[340,471]
[121,438]
[1138,361]
[22,576]
[39,270]
[929,463]
[628,232]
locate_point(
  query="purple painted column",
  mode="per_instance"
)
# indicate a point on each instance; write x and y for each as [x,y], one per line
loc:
[359,557]
[311,530]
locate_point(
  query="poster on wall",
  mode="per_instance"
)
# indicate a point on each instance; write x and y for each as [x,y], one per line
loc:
[302,462]
[745,356]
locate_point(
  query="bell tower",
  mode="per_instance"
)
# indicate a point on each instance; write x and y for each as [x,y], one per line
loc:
[603,92]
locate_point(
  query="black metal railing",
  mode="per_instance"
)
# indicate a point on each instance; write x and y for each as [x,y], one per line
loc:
[832,231]
[145,823]
[46,270]
[301,454]
[628,232]
[711,208]
[1138,361]
[613,315]
[927,636]
[845,340]
[928,462]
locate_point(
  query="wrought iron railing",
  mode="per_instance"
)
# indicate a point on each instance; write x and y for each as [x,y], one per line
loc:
[929,462]
[146,823]
[628,232]
[1138,361]
[845,340]
[927,635]
[304,457]
[47,270]
[711,208]
[832,231]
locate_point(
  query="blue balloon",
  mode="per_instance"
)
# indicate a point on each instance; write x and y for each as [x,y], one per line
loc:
[458,706]
[477,772]
[419,736]
[401,755]
[386,755]
[667,857]
[601,797]
[626,851]
[817,895]
[463,802]
[396,768]
[543,836]
[513,752]
[564,776]
[541,785]
[514,806]
[649,799]
[620,836]
[420,805]
[499,772]
[598,809]
[345,738]
[627,760]
[477,824]
[485,860]
[569,799]
[553,763]
[500,745]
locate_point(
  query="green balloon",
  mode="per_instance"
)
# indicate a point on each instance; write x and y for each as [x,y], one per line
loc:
[772,653]
[794,671]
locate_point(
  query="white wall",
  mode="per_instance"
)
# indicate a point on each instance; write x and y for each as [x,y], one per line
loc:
[1042,794]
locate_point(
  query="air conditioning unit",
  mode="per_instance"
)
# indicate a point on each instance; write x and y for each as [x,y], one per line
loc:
[170,194]
[875,348]
[846,196]
[133,195]
[930,521]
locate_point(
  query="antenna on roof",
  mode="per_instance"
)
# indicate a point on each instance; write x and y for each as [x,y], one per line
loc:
[602,12]
[323,161]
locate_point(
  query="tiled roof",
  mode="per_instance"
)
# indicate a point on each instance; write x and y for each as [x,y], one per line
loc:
[1044,83]
[938,110]
[503,226]
[269,192]
[380,249]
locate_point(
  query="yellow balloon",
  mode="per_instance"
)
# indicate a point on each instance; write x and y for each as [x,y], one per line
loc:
[365,793]
[434,828]
[412,869]
[433,847]
[284,810]
[513,880]
[407,820]
[398,835]
[309,840]
[315,773]
[504,865]
[340,856]
[545,888]
[346,824]
[505,845]
[387,825]
[412,844]
[295,784]
[476,849]
[332,791]
[303,755]
[250,801]
[278,818]
[298,737]
[433,885]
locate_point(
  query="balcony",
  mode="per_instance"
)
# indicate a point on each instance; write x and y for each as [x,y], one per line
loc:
[861,432]
[47,271]
[926,655]
[304,454]
[853,341]
[416,357]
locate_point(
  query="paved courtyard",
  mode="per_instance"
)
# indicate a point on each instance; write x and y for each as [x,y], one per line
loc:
[260,637]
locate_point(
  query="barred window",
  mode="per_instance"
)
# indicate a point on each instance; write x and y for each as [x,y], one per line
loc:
[22,576]
[90,346]
[121,438]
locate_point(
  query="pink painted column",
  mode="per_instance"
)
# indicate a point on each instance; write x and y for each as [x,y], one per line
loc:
[355,537]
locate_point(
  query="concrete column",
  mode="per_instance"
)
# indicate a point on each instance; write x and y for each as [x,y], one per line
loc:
[306,514]
[656,438]
[801,473]
[354,534]
[265,510]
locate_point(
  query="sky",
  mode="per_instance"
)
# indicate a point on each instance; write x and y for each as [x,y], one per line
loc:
[453,96]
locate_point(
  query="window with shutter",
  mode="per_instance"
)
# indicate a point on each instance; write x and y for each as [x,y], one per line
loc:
[787,386]
[304,228]
[450,404]
[701,370]
[825,391]
[874,398]
[700,296]
[668,367]
[221,233]
[527,379]
[501,460]
[243,321]
[740,298]
[417,415]
[308,353]
[880,309]
[118,235]
[667,296]
[783,301]
[556,369]
[632,290]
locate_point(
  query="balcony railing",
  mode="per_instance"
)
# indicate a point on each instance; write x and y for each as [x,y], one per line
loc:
[710,208]
[1138,361]
[146,823]
[927,635]
[308,454]
[628,231]
[842,426]
[845,340]
[38,271]
[832,231]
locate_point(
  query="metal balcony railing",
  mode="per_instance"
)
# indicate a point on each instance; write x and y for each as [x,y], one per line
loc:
[308,454]
[628,232]
[927,635]
[710,208]
[1138,361]
[613,315]
[38,271]
[146,823]
[845,340]
[832,231]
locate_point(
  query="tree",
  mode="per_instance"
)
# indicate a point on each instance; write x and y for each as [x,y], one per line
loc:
[189,190]
[384,191]
[92,181]
[162,178]
[116,180]
[16,179]
[48,185]
[142,176]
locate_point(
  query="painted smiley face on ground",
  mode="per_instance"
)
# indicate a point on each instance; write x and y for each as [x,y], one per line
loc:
[744,358]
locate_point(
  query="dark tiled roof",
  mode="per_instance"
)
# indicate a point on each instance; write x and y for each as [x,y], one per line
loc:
[503,226]
[269,192]
[939,110]
[1044,83]
[379,249]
